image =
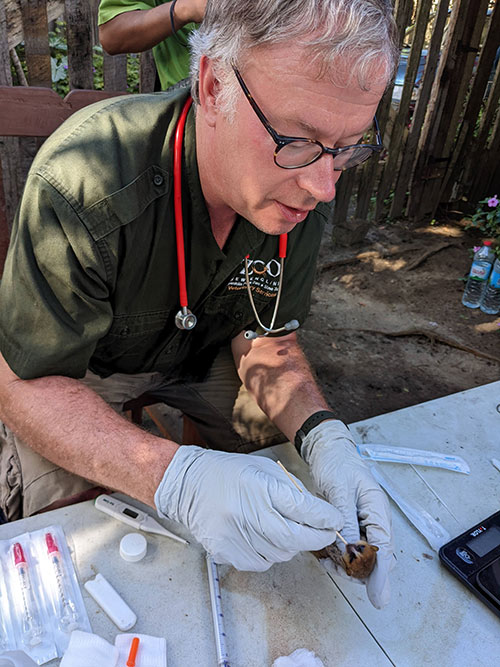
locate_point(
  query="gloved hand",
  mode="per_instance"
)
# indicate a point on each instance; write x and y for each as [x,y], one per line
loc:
[345,481]
[243,509]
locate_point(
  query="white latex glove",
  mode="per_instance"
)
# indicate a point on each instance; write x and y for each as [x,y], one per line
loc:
[243,509]
[345,481]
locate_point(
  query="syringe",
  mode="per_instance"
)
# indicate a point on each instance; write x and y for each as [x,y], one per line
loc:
[218,616]
[66,607]
[31,628]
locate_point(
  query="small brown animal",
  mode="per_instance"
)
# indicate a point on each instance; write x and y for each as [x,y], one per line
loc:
[358,559]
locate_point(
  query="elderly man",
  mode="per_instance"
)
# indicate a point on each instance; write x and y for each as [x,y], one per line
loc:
[283,94]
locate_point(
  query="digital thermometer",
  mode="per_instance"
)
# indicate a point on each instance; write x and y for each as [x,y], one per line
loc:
[133,517]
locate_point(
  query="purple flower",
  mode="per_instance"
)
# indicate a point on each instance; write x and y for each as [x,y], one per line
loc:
[493,201]
[476,248]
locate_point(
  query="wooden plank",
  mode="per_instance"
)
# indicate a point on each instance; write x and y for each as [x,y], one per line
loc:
[5,73]
[55,9]
[80,41]
[487,179]
[344,190]
[147,76]
[409,155]
[371,173]
[461,165]
[115,72]
[9,150]
[36,42]
[440,126]
[94,11]
[37,112]
[30,112]
[490,111]
[396,146]
[77,99]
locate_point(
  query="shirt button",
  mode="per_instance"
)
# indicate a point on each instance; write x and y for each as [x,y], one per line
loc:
[158,179]
[125,331]
[238,315]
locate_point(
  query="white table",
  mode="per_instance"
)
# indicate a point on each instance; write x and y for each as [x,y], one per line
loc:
[431,620]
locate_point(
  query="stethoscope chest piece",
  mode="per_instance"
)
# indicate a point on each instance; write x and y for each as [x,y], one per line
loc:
[185,319]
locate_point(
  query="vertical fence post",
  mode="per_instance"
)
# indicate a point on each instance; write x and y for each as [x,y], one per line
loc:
[36,42]
[80,42]
[409,154]
[5,142]
[397,143]
[460,165]
[147,76]
[115,72]
[443,118]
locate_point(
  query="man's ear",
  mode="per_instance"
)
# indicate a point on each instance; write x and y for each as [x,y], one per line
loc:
[208,89]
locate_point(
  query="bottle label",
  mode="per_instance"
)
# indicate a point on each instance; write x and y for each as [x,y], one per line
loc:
[479,271]
[495,279]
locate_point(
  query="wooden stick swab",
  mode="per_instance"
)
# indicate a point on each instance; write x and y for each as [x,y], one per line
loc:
[295,483]
[288,475]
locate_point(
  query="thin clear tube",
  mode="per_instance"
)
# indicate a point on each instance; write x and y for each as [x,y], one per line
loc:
[433,532]
[418,457]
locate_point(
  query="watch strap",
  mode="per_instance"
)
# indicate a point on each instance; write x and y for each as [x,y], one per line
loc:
[309,424]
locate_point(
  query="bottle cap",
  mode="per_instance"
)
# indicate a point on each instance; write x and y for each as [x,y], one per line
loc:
[133,547]
[488,242]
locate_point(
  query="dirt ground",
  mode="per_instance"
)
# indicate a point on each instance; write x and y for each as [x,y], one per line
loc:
[387,328]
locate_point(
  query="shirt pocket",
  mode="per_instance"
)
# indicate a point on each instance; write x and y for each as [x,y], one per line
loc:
[134,337]
[232,312]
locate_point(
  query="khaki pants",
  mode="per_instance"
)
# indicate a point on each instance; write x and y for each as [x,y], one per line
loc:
[225,415]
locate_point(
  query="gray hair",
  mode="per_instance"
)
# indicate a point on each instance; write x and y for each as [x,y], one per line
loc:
[362,30]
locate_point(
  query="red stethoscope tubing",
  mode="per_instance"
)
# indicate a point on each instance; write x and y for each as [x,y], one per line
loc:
[179,223]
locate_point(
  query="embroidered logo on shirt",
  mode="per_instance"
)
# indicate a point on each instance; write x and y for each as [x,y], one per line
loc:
[262,276]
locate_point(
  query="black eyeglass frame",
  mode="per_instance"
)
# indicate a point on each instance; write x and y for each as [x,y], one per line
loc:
[282,140]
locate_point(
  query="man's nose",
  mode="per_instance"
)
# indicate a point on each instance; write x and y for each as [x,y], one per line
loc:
[319,179]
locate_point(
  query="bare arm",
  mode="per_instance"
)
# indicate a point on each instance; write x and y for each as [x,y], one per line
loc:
[69,424]
[140,30]
[277,374]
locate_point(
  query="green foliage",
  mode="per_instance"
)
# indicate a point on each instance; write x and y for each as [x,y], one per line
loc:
[59,63]
[487,219]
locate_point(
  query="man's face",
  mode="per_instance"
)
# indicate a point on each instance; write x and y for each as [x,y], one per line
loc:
[236,162]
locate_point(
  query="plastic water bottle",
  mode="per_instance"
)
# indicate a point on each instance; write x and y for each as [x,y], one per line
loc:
[490,303]
[478,276]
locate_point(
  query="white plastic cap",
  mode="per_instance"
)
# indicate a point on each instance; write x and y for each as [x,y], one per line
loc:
[133,547]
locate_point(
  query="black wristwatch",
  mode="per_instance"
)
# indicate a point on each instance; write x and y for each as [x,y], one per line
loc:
[309,424]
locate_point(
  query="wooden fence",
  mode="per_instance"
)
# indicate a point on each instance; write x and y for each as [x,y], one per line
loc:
[448,151]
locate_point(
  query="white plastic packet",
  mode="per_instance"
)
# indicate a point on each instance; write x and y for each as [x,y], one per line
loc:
[40,598]
[301,657]
[15,659]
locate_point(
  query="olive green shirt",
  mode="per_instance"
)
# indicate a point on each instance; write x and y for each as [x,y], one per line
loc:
[91,279]
[171,56]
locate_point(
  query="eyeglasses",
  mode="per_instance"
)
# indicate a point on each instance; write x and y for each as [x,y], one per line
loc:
[296,152]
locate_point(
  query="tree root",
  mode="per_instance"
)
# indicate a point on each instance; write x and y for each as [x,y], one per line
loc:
[386,252]
[428,253]
[432,336]
[367,254]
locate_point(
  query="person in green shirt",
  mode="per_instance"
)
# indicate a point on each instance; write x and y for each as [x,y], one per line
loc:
[90,294]
[131,26]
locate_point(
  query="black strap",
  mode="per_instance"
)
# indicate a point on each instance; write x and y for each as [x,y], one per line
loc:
[309,424]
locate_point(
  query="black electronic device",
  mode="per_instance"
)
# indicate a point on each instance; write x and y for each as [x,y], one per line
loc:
[474,558]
